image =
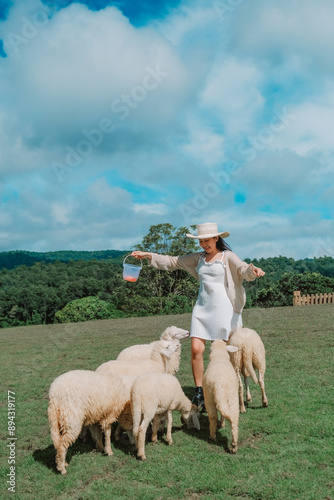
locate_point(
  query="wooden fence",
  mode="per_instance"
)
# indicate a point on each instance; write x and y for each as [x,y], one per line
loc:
[312,299]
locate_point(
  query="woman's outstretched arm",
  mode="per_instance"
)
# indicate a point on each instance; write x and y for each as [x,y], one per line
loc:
[142,255]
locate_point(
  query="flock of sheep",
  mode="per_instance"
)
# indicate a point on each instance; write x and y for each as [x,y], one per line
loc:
[140,387]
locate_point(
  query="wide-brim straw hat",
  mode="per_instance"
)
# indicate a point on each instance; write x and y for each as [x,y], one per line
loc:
[208,230]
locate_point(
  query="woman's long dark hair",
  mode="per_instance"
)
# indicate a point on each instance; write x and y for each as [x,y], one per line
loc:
[221,245]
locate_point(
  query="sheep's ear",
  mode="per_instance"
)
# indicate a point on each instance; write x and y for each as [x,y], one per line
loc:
[232,348]
[195,418]
[169,349]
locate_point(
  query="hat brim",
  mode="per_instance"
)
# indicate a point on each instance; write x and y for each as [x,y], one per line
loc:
[224,234]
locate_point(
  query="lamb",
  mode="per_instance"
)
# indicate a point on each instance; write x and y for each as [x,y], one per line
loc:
[154,395]
[251,352]
[165,357]
[220,387]
[143,351]
[83,397]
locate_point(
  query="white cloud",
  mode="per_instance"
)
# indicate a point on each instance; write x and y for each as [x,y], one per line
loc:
[205,145]
[278,30]
[81,70]
[151,208]
[232,94]
[146,119]
[311,129]
[60,213]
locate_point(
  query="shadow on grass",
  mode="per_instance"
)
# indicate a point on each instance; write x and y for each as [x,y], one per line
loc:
[249,406]
[204,433]
[47,456]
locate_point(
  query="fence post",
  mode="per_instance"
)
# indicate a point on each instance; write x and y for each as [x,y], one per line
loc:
[307,300]
[296,298]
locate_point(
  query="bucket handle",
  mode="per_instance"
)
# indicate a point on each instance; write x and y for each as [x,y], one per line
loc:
[141,262]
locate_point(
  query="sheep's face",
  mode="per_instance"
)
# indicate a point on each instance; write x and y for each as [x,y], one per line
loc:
[178,333]
[191,418]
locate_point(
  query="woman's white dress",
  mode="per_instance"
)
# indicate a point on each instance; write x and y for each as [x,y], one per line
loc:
[213,316]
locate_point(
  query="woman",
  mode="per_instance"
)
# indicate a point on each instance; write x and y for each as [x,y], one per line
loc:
[221,296]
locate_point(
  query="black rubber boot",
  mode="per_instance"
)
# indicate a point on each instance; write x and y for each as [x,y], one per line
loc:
[198,398]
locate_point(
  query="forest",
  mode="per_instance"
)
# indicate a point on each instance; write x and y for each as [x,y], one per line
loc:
[69,286]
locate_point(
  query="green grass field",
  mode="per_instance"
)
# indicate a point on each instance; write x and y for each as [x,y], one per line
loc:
[285,451]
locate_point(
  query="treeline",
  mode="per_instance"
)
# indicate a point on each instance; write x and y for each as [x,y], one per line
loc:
[16,258]
[285,275]
[51,290]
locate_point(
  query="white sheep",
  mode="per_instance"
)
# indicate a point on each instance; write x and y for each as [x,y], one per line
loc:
[143,351]
[220,387]
[165,357]
[83,397]
[154,395]
[250,354]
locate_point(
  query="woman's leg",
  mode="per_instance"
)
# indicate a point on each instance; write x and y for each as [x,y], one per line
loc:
[197,363]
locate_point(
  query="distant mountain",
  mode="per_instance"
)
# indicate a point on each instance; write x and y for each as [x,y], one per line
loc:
[15,258]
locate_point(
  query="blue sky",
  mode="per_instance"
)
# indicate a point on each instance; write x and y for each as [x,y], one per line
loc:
[118,115]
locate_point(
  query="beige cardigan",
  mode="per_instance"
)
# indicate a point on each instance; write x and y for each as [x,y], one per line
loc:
[236,271]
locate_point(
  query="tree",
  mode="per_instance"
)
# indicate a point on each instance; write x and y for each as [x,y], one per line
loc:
[166,239]
[281,293]
[88,308]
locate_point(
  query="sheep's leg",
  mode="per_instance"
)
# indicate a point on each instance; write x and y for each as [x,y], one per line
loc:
[97,436]
[162,419]
[107,438]
[235,430]
[142,436]
[248,394]
[211,410]
[136,413]
[222,421]
[261,382]
[213,424]
[131,437]
[212,415]
[169,427]
[69,437]
[60,459]
[118,432]
[155,428]
[65,441]
[241,394]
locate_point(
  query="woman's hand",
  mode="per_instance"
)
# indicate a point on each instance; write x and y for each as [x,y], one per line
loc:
[257,271]
[137,254]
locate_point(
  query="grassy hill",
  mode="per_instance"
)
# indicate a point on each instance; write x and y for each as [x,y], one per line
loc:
[285,450]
